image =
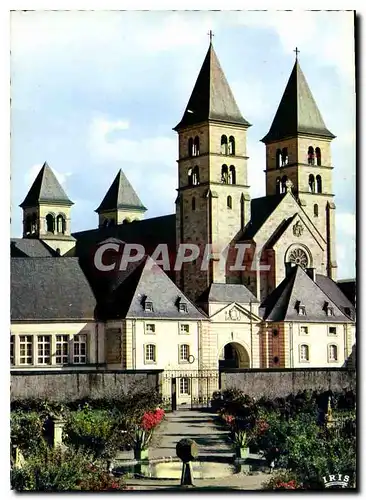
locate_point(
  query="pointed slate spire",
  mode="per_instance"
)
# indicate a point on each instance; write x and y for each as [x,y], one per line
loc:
[212,98]
[121,195]
[46,189]
[298,112]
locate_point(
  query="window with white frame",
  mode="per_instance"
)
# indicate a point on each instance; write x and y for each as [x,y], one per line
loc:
[184,386]
[304,330]
[12,358]
[150,353]
[332,330]
[62,349]
[184,353]
[44,350]
[184,328]
[302,310]
[150,328]
[149,306]
[25,349]
[330,311]
[79,349]
[304,352]
[183,307]
[333,352]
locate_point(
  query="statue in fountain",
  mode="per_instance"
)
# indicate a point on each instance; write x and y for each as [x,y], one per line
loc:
[187,451]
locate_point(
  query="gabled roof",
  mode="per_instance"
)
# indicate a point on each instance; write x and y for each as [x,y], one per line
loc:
[299,288]
[121,195]
[211,98]
[46,189]
[153,284]
[335,293]
[228,293]
[260,210]
[297,112]
[44,289]
[29,247]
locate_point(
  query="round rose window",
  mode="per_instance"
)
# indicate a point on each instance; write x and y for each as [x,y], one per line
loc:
[298,257]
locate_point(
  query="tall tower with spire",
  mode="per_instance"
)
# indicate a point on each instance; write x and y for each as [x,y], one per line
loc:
[213,200]
[46,212]
[298,157]
[120,204]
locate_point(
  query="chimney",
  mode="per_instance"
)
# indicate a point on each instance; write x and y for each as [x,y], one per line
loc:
[311,273]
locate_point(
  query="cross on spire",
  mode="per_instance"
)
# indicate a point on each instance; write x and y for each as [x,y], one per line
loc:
[296,52]
[210,34]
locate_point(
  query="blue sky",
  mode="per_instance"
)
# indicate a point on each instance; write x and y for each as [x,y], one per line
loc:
[93,92]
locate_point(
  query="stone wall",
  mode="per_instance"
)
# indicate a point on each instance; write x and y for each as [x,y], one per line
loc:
[280,383]
[71,385]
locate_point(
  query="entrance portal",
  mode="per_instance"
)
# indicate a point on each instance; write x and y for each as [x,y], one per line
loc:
[234,355]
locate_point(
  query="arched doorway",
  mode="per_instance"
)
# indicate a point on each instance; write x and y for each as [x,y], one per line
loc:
[234,355]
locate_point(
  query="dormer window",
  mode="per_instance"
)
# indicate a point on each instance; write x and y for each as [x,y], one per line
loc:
[149,307]
[182,306]
[301,310]
[329,310]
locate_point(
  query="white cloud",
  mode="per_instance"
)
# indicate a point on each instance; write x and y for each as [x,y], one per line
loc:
[346,224]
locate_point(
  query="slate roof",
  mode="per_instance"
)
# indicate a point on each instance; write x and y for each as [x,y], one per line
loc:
[280,305]
[46,289]
[225,292]
[336,295]
[29,247]
[148,232]
[297,112]
[153,285]
[121,195]
[211,98]
[260,210]
[279,232]
[46,189]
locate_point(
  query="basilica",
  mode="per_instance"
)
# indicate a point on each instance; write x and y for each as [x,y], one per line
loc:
[287,311]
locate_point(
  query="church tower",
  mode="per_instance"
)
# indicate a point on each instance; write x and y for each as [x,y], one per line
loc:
[298,157]
[213,200]
[46,212]
[121,203]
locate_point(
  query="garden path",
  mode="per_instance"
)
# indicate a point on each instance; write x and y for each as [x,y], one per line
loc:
[194,424]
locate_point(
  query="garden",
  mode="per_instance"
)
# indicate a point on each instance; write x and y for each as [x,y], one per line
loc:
[93,432]
[302,437]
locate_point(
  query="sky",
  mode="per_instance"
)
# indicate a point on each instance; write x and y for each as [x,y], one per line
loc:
[93,92]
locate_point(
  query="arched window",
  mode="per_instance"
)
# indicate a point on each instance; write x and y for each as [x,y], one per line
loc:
[224,174]
[278,185]
[311,155]
[304,352]
[190,177]
[196,176]
[28,225]
[34,225]
[283,184]
[223,145]
[196,146]
[284,159]
[311,184]
[61,224]
[229,202]
[231,145]
[318,184]
[332,352]
[316,210]
[50,223]
[193,203]
[232,177]
[278,158]
[318,155]
[190,146]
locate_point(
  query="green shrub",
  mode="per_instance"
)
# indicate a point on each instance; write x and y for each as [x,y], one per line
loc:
[27,431]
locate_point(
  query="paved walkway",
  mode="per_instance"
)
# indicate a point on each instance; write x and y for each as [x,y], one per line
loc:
[197,425]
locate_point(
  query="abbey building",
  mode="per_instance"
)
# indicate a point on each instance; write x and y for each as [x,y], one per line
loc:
[286,311]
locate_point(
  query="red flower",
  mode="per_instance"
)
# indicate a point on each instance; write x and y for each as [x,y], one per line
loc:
[151,419]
